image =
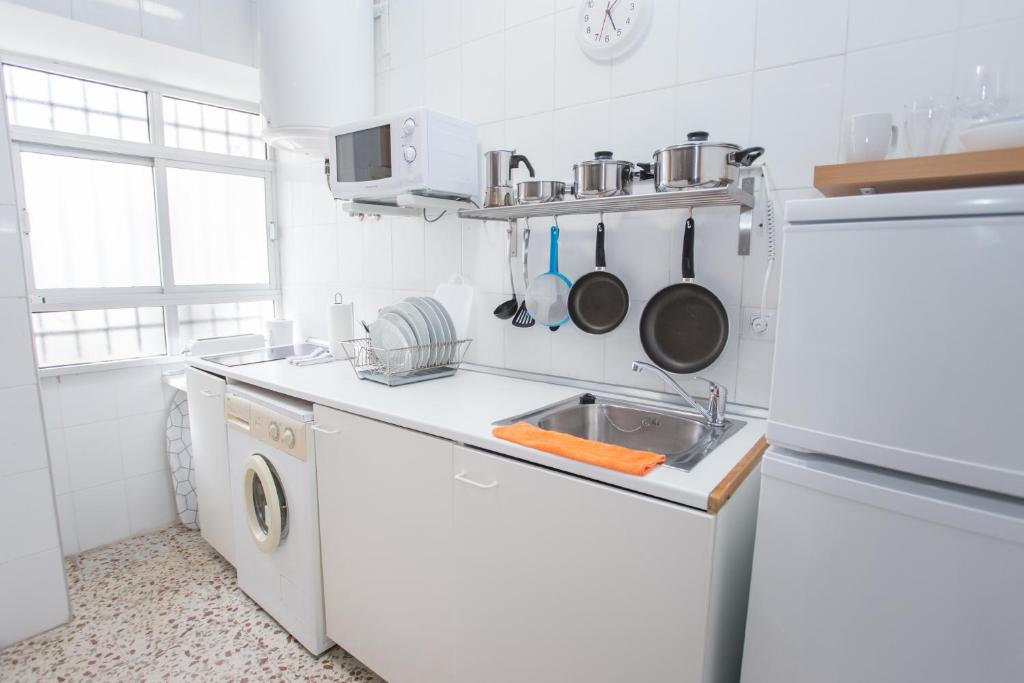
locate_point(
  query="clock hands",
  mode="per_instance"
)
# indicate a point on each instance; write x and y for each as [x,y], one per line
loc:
[601,32]
[608,16]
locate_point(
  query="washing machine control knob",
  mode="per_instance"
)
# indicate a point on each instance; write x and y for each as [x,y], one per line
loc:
[288,437]
[274,431]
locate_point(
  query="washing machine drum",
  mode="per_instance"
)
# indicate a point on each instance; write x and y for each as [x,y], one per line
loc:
[266,509]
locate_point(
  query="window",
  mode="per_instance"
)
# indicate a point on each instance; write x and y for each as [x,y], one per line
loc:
[193,125]
[73,105]
[140,238]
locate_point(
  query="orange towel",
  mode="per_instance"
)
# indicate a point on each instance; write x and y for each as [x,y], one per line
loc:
[591,452]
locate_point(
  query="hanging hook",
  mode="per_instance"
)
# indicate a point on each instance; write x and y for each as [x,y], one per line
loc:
[556,221]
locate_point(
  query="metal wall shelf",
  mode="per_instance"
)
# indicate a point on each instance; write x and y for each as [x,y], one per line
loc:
[739,194]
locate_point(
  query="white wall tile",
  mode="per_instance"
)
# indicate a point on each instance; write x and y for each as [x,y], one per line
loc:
[641,238]
[534,135]
[325,253]
[875,22]
[576,354]
[123,16]
[377,263]
[634,141]
[529,349]
[173,22]
[66,523]
[791,31]
[481,17]
[483,67]
[483,253]
[228,30]
[101,515]
[578,78]
[139,390]
[49,392]
[715,39]
[486,331]
[577,130]
[350,254]
[34,589]
[406,42]
[442,26]
[12,274]
[722,107]
[16,344]
[754,265]
[978,12]
[407,87]
[22,434]
[622,346]
[94,454]
[57,446]
[150,501]
[88,397]
[26,503]
[652,63]
[443,77]
[754,381]
[407,236]
[796,118]
[61,7]
[143,444]
[529,76]
[442,246]
[521,11]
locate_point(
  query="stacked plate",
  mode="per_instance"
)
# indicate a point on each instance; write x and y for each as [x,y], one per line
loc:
[417,333]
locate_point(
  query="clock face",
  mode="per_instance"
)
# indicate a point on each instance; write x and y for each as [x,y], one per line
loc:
[609,28]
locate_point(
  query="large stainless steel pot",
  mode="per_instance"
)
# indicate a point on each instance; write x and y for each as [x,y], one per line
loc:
[699,163]
[603,176]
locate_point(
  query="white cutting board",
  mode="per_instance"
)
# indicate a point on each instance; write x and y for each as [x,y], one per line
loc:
[456,296]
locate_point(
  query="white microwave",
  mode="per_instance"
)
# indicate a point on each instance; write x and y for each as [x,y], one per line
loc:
[418,152]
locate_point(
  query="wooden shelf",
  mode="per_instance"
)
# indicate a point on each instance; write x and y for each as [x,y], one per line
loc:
[940,172]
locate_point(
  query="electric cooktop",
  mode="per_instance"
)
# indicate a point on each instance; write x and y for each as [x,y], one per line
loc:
[264,355]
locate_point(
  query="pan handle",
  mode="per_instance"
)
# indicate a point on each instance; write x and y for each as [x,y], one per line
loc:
[599,258]
[553,261]
[688,273]
[745,157]
[520,158]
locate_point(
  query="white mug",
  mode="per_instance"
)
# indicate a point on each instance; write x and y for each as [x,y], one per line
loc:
[872,137]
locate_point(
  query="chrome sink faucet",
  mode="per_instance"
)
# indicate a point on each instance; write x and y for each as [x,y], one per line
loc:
[714,414]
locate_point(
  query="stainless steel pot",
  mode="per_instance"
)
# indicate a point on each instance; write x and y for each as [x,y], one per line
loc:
[699,163]
[540,191]
[603,176]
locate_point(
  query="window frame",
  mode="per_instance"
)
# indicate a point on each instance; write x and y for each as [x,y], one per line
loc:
[159,157]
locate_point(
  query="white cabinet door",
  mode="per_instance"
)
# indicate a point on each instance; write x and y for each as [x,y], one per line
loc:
[210,455]
[561,579]
[386,528]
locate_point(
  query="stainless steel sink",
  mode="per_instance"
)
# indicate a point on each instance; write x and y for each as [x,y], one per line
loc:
[683,437]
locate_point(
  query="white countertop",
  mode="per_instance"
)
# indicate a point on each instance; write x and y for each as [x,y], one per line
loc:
[462,407]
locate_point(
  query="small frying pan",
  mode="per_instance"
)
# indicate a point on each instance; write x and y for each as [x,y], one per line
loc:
[684,327]
[598,301]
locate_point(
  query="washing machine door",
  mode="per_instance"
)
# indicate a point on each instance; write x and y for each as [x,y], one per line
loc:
[266,509]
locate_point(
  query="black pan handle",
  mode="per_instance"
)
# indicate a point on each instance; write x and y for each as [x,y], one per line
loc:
[521,159]
[643,171]
[745,157]
[600,246]
[688,273]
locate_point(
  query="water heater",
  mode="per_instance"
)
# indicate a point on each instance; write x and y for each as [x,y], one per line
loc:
[316,69]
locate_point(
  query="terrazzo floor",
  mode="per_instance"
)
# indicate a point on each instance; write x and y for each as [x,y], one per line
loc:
[165,607]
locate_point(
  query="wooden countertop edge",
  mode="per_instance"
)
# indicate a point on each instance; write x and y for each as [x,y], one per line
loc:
[736,476]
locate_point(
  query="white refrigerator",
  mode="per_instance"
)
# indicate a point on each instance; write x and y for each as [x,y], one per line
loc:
[890,537]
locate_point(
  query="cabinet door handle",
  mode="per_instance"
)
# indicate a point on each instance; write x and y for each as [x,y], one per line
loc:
[208,394]
[323,430]
[461,476]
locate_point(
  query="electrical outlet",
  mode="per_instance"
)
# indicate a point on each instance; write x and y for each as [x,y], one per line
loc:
[751,328]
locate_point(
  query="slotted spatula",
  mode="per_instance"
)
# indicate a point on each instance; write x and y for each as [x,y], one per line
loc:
[523,317]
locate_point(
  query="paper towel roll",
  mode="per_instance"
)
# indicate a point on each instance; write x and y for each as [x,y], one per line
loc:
[280,332]
[340,325]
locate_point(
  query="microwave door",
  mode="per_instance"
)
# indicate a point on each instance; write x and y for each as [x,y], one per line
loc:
[364,155]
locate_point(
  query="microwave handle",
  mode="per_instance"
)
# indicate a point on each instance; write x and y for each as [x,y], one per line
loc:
[327,173]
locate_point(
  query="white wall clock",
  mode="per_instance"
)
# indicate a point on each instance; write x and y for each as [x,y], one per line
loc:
[610,28]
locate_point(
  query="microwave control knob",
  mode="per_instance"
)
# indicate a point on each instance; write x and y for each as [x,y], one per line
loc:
[409,152]
[288,437]
[408,127]
[273,431]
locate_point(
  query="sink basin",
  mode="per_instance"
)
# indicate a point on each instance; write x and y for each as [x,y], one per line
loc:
[683,437]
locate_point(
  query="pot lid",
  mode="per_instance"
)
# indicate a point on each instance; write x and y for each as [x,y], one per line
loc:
[699,138]
[601,158]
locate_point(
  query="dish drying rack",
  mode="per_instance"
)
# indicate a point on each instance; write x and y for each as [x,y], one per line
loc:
[395,367]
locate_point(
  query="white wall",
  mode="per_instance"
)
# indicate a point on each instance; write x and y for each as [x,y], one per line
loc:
[225,29]
[106,432]
[779,73]
[33,596]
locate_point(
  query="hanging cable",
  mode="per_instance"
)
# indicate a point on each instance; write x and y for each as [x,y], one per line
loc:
[760,323]
[434,220]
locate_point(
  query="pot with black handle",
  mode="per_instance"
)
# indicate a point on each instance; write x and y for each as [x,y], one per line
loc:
[604,176]
[700,163]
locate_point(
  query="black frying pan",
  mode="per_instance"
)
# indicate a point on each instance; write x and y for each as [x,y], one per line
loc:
[598,301]
[684,327]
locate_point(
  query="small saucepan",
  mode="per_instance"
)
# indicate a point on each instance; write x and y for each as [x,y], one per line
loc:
[700,163]
[604,176]
[540,191]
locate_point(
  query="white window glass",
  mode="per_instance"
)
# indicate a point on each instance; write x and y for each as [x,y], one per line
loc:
[72,105]
[218,228]
[70,337]
[206,128]
[200,321]
[93,222]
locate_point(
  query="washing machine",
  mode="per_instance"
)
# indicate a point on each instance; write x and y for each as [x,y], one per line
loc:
[276,526]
